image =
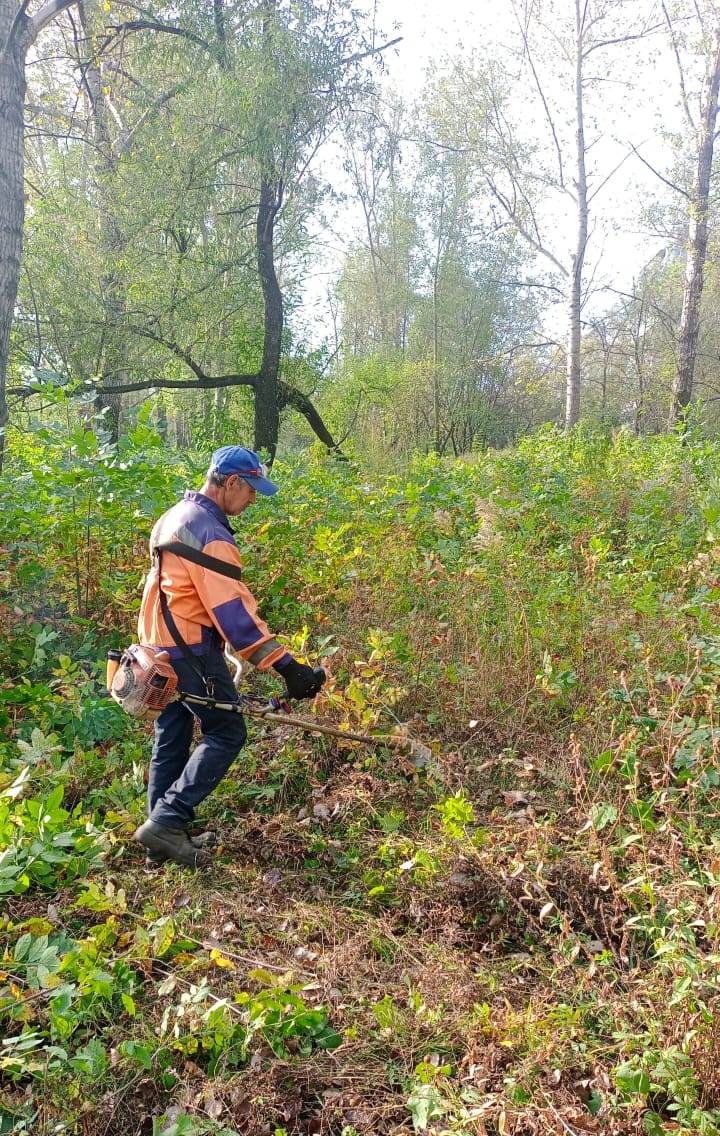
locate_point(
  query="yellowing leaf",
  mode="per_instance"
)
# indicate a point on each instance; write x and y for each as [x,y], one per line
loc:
[262,975]
[219,959]
[36,926]
[163,937]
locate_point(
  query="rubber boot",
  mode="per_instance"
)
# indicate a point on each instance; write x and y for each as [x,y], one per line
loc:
[173,842]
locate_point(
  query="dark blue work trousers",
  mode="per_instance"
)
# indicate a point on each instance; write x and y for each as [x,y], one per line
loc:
[179,780]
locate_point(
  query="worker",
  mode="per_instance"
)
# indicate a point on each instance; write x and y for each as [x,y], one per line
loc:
[193,603]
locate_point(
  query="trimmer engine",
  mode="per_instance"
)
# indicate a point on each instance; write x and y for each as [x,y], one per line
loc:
[141,680]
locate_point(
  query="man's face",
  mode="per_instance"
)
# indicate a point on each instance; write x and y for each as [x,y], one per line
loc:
[238,495]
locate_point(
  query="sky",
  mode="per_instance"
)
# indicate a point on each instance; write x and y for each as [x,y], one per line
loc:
[620,243]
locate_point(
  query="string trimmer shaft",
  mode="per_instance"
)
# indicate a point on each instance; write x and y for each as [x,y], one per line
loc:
[417,750]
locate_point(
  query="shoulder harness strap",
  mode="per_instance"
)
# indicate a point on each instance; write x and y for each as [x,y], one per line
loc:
[170,623]
[187,552]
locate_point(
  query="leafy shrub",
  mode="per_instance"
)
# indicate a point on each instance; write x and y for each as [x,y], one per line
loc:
[42,843]
[222,1030]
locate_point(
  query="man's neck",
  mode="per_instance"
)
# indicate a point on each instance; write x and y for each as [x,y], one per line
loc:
[213,492]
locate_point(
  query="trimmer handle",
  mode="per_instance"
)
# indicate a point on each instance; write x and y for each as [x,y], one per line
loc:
[283,704]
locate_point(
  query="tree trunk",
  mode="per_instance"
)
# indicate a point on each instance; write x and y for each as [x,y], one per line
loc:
[219,17]
[182,434]
[112,242]
[697,241]
[572,393]
[220,402]
[436,318]
[161,418]
[267,397]
[12,196]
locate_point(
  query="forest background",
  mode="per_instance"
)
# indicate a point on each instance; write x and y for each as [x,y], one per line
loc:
[469,314]
[248,218]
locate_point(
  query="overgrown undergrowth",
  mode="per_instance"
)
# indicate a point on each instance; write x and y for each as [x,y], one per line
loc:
[521,937]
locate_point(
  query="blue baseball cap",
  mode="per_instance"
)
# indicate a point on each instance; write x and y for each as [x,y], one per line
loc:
[246,463]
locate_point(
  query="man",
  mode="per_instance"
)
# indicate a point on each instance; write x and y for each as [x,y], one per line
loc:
[193,602]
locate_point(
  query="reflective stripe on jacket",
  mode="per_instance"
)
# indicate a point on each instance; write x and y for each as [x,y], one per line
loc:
[205,605]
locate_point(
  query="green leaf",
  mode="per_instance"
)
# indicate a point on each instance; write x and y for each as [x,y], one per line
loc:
[602,815]
[602,761]
[22,947]
[425,1104]
[129,1004]
[632,1080]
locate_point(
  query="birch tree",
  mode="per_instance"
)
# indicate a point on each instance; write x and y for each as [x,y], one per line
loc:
[694,32]
[539,164]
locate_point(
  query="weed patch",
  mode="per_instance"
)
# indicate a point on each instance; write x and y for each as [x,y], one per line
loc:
[520,937]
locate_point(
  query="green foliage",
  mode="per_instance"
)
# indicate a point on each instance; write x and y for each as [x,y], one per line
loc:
[555,599]
[456,813]
[220,1031]
[73,493]
[425,1104]
[185,1125]
[43,843]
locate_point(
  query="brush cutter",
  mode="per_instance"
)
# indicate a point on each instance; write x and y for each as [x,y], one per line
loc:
[143,681]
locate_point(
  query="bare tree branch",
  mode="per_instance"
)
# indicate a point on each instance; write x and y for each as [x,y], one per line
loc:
[372,51]
[523,230]
[206,382]
[681,76]
[527,284]
[158,26]
[47,14]
[540,91]
[612,173]
[670,184]
[620,39]
[295,398]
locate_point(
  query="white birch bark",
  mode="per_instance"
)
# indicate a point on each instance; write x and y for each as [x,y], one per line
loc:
[697,238]
[572,385]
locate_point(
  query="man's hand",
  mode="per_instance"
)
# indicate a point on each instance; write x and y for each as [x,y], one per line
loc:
[301,681]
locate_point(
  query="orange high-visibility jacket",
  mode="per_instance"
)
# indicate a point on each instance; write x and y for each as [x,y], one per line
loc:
[206,606]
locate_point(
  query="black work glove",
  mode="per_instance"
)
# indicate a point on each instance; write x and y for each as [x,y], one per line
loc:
[301,681]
